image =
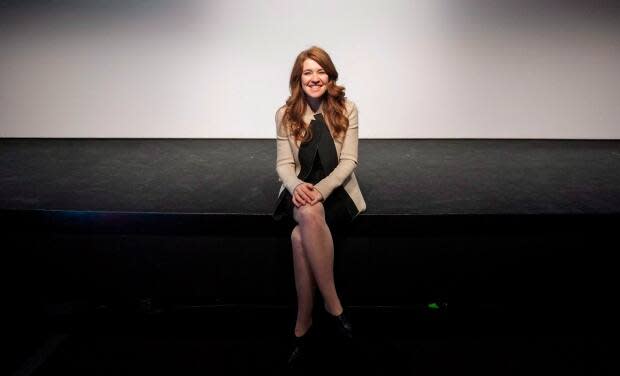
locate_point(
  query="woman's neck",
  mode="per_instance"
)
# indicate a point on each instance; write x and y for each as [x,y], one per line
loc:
[314,103]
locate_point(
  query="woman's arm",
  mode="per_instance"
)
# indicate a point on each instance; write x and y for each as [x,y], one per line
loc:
[348,158]
[285,163]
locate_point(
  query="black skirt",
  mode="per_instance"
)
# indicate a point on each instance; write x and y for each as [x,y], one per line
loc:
[339,208]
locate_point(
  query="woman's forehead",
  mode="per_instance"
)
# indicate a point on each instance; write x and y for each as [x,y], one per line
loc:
[310,64]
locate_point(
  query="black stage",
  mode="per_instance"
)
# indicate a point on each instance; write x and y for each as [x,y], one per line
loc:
[492,256]
[397,177]
[441,214]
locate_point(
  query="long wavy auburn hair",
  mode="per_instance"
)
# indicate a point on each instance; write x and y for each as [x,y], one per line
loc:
[333,100]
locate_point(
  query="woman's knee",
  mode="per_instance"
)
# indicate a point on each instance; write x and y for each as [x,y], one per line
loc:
[309,213]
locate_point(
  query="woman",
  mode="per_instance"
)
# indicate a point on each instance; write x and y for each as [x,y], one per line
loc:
[317,142]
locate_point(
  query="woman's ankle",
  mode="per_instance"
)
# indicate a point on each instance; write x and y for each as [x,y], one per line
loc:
[302,328]
[335,312]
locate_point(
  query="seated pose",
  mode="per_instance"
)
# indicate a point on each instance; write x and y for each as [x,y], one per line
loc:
[317,141]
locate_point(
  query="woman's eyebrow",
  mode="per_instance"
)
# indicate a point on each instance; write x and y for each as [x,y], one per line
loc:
[308,69]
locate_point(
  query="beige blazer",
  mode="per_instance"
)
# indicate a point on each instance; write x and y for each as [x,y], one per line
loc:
[287,159]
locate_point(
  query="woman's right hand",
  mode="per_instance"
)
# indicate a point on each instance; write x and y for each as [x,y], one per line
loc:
[303,194]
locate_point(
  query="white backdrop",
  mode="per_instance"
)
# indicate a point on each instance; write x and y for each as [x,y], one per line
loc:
[219,69]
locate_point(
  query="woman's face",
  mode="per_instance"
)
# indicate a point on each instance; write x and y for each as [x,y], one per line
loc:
[313,79]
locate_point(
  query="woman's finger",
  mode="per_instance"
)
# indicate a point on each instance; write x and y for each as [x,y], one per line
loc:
[307,193]
[316,198]
[294,199]
[300,195]
[298,199]
[299,192]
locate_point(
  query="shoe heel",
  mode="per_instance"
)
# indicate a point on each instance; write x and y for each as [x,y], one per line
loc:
[344,326]
[300,347]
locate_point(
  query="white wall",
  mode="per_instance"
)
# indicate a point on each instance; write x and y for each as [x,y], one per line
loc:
[219,69]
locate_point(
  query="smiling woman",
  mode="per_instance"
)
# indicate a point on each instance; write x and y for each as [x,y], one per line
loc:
[317,136]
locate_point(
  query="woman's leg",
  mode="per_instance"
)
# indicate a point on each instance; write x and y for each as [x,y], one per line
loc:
[304,284]
[318,246]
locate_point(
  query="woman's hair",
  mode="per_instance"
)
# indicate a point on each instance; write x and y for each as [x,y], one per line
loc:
[333,99]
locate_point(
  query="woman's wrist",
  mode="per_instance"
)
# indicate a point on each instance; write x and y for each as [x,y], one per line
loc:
[322,197]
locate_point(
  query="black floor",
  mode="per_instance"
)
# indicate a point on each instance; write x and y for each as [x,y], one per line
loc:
[255,340]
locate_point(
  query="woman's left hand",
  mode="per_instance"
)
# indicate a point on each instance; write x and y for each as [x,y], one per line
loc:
[317,196]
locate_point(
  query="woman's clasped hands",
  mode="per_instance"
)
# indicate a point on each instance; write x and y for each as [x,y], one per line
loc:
[305,193]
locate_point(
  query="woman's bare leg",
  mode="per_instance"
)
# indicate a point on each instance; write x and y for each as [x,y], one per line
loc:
[304,284]
[318,246]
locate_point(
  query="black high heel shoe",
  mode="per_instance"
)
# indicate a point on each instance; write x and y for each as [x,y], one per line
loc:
[342,323]
[301,347]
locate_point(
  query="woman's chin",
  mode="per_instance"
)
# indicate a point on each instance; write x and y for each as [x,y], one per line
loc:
[315,95]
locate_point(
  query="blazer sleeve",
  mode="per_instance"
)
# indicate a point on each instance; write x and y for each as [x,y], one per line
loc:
[348,158]
[285,162]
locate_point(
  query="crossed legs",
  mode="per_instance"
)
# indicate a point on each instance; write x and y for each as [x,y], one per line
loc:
[313,258]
